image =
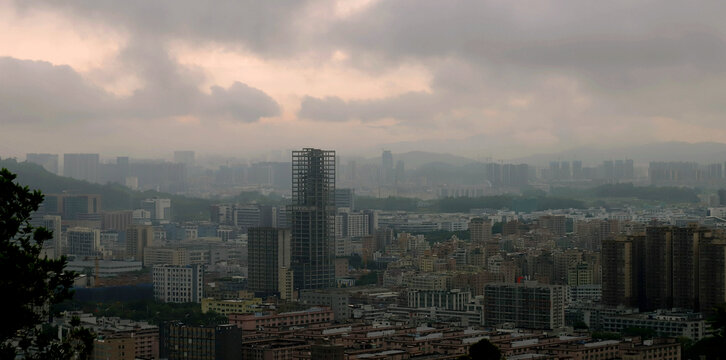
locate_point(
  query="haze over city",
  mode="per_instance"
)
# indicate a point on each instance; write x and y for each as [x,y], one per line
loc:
[495,78]
[362,179]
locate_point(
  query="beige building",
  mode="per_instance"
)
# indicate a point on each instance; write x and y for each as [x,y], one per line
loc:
[138,238]
[114,348]
[162,255]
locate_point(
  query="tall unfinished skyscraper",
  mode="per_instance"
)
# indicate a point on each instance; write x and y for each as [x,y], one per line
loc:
[312,216]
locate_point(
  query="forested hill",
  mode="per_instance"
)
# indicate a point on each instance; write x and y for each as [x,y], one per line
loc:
[113,196]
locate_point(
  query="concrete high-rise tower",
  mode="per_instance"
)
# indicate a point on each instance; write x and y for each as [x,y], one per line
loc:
[81,166]
[268,253]
[312,216]
[138,238]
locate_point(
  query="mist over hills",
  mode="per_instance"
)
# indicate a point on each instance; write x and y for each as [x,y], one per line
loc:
[416,159]
[113,196]
[704,152]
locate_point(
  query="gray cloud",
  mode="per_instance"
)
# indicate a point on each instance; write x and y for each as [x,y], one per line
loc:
[239,101]
[263,26]
[562,68]
[39,92]
[409,106]
[616,61]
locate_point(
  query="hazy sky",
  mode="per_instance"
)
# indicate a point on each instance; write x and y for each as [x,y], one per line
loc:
[479,78]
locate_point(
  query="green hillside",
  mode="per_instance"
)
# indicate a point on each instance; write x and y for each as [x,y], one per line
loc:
[113,196]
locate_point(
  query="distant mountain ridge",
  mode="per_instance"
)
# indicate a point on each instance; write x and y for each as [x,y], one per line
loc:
[113,196]
[705,152]
[415,159]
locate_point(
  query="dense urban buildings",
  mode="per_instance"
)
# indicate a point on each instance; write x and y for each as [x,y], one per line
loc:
[667,267]
[178,341]
[330,270]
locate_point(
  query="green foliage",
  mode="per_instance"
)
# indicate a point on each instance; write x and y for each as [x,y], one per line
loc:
[707,348]
[512,202]
[718,320]
[257,197]
[711,347]
[604,335]
[443,235]
[668,194]
[580,325]
[484,349]
[645,333]
[497,228]
[291,306]
[355,261]
[31,283]
[368,279]
[390,203]
[149,310]
[664,193]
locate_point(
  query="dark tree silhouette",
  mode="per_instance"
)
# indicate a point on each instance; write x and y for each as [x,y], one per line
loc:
[31,283]
[482,350]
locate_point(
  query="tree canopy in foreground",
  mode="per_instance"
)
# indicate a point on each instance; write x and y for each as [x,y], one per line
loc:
[31,282]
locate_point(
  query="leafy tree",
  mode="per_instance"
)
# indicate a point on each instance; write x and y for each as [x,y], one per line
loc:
[604,335]
[645,333]
[484,349]
[368,279]
[30,283]
[711,347]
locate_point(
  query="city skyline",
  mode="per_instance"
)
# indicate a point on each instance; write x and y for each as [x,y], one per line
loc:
[363,179]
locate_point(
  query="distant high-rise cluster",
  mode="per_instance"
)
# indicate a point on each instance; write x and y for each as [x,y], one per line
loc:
[48,161]
[81,166]
[608,171]
[685,173]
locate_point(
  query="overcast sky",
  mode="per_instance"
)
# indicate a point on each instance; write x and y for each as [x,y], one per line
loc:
[478,78]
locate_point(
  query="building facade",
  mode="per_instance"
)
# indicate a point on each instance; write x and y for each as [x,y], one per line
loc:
[84,242]
[179,284]
[268,250]
[138,238]
[313,218]
[180,341]
[528,305]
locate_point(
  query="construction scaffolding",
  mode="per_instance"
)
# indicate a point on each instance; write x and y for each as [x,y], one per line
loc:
[312,216]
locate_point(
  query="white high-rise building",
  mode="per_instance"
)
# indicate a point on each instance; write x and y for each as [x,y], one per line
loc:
[179,284]
[84,241]
[160,209]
